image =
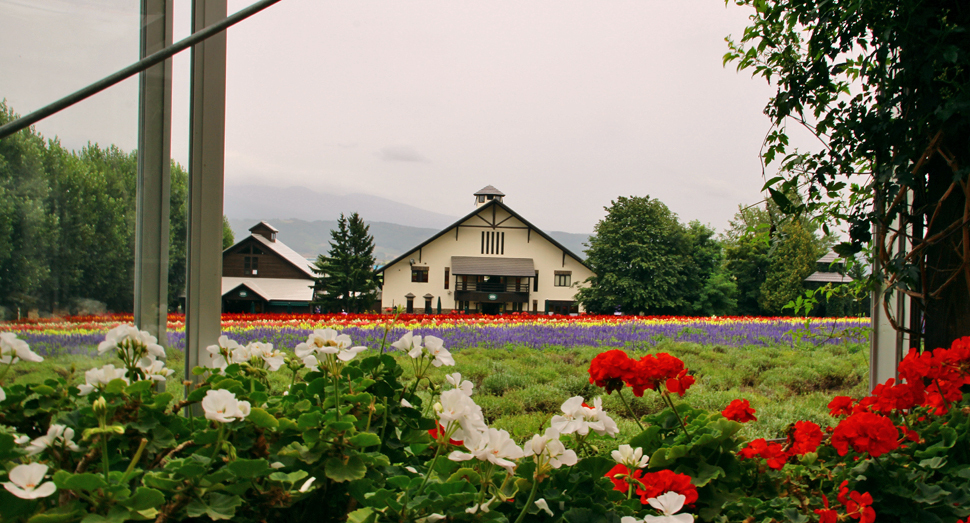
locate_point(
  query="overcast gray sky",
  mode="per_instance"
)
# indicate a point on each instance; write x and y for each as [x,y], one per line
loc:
[563,105]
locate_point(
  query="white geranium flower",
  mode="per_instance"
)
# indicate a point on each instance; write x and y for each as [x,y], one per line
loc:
[435,347]
[599,421]
[346,355]
[460,415]
[14,349]
[406,403]
[132,342]
[99,378]
[311,363]
[410,344]
[3,395]
[434,518]
[27,482]
[541,503]
[276,465]
[271,358]
[154,370]
[549,453]
[320,339]
[222,406]
[573,418]
[494,446]
[669,504]
[221,354]
[57,436]
[631,458]
[464,386]
[22,440]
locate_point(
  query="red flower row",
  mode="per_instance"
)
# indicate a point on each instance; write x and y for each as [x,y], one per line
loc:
[614,368]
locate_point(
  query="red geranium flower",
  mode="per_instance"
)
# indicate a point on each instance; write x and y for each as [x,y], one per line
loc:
[611,369]
[858,507]
[840,406]
[652,371]
[660,482]
[826,515]
[805,437]
[435,432]
[760,448]
[740,411]
[621,483]
[865,432]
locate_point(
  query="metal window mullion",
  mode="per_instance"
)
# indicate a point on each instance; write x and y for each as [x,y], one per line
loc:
[207,122]
[153,185]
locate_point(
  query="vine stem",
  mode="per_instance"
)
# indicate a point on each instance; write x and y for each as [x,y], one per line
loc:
[215,448]
[532,497]
[670,402]
[628,409]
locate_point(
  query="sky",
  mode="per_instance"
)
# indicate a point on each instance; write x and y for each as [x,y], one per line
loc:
[563,105]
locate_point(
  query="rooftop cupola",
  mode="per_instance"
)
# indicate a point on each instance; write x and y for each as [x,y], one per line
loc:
[265,230]
[487,194]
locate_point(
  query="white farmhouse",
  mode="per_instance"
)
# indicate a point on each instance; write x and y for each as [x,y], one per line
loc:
[491,261]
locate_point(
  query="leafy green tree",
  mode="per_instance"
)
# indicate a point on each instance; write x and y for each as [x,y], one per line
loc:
[793,259]
[25,226]
[645,260]
[178,219]
[885,86]
[706,286]
[346,279]
[228,240]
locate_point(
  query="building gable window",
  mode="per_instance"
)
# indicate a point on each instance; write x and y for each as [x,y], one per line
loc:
[447,277]
[493,242]
[563,278]
[251,265]
[419,274]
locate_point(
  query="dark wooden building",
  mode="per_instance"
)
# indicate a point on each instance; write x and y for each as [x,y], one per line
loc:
[262,274]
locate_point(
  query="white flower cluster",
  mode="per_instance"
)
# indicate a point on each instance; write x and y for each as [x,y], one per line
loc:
[326,346]
[228,351]
[13,350]
[433,348]
[580,418]
[58,436]
[668,504]
[137,349]
[222,406]
[98,379]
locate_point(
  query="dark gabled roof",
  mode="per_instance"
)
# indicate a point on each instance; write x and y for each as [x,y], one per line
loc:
[501,205]
[489,190]
[280,249]
[263,224]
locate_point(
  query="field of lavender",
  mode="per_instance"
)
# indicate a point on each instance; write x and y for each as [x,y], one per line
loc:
[523,367]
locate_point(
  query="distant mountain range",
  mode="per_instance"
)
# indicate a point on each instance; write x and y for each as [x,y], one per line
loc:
[305,218]
[300,203]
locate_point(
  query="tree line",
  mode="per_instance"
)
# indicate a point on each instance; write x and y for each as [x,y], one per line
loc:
[67,226]
[647,261]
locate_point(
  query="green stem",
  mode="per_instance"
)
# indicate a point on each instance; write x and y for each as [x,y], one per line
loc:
[486,481]
[628,409]
[670,402]
[532,498]
[105,462]
[134,460]
[6,370]
[218,444]
[427,476]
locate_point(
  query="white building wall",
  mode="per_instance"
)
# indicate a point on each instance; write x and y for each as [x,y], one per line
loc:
[519,243]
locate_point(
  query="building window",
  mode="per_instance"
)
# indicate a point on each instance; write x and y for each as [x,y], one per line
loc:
[427,306]
[535,283]
[503,243]
[410,309]
[447,277]
[535,305]
[481,199]
[419,274]
[251,265]
[563,278]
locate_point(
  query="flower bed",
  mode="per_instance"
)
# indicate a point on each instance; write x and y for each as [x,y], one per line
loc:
[349,441]
[79,335]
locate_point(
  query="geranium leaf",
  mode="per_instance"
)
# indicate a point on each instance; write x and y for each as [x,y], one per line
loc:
[249,468]
[218,506]
[262,419]
[340,470]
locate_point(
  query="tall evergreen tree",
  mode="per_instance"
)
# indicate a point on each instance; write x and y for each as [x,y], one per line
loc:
[346,279]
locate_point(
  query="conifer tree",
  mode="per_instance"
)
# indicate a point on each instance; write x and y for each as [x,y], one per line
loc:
[346,280]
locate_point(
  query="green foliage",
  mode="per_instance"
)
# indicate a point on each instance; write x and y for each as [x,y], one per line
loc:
[792,260]
[227,238]
[884,86]
[645,260]
[346,279]
[67,222]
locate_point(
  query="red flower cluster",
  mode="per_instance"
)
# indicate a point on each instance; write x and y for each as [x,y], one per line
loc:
[826,515]
[760,448]
[612,369]
[865,432]
[740,411]
[804,437]
[857,505]
[652,484]
[930,379]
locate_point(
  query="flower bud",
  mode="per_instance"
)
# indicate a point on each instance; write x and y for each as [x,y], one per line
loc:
[100,407]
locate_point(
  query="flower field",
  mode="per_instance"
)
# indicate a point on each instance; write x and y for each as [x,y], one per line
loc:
[78,335]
